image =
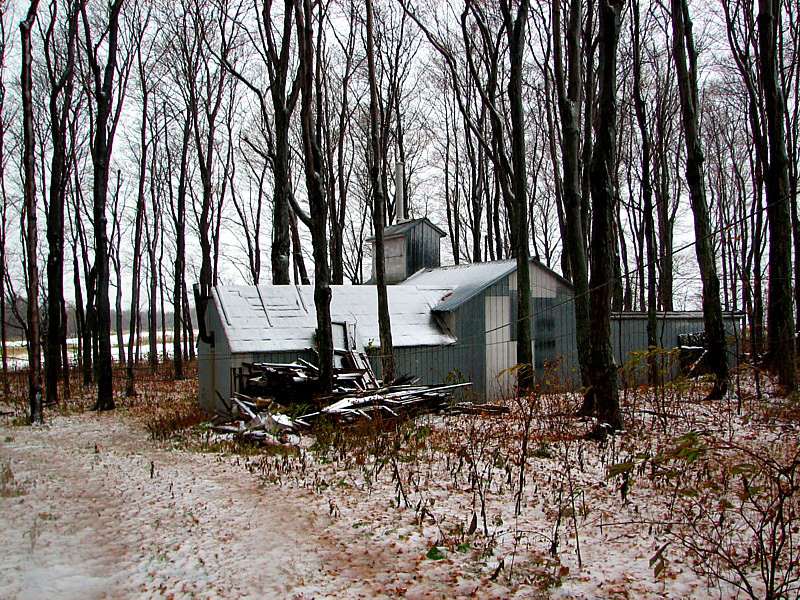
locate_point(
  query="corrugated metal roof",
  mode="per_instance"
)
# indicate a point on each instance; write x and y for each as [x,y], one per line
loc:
[270,318]
[467,280]
[404,226]
[471,279]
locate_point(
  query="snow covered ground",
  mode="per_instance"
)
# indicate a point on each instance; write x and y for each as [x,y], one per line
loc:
[92,507]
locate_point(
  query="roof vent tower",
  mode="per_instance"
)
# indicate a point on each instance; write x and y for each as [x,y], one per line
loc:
[409,247]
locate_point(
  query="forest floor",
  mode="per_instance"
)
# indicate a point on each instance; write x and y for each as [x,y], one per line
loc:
[145,502]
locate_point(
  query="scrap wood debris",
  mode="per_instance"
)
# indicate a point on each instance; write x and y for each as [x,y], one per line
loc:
[258,413]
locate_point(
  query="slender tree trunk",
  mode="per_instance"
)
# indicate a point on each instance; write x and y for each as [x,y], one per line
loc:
[683,46]
[781,353]
[80,315]
[3,208]
[602,397]
[588,119]
[3,332]
[647,193]
[180,255]
[101,155]
[569,99]
[280,218]
[378,210]
[161,285]
[130,383]
[29,167]
[283,107]
[60,92]
[188,322]
[515,30]
[316,194]
[299,261]
[90,329]
[152,316]
[118,326]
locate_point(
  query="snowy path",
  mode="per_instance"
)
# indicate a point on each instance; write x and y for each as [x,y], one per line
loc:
[92,522]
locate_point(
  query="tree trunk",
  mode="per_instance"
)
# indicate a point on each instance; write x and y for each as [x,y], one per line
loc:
[188,322]
[515,30]
[101,156]
[130,383]
[3,212]
[647,193]
[180,255]
[60,88]
[378,210]
[683,46]
[316,195]
[152,316]
[299,262]
[32,272]
[569,98]
[602,398]
[781,354]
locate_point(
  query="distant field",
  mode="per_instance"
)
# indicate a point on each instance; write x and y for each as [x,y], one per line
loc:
[17,350]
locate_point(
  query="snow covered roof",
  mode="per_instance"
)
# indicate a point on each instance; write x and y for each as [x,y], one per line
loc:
[276,318]
[403,226]
[469,280]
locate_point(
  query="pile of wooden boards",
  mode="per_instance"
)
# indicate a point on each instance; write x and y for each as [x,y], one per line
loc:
[270,390]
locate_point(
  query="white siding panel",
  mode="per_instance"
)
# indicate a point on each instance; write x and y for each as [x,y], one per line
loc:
[501,352]
[543,284]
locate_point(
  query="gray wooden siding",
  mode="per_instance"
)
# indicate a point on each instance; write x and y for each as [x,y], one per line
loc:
[422,248]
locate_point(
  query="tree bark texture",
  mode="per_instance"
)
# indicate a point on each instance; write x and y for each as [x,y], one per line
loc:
[602,397]
[316,194]
[683,48]
[378,209]
[569,101]
[32,272]
[101,155]
[647,197]
[60,106]
[781,353]
[515,31]
[180,255]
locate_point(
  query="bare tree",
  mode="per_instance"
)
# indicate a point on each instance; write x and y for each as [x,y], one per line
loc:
[569,102]
[505,144]
[115,256]
[649,257]
[683,48]
[4,196]
[336,131]
[178,210]
[144,88]
[272,44]
[515,32]
[201,44]
[60,70]
[602,397]
[31,233]
[102,93]
[781,350]
[316,192]
[378,208]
